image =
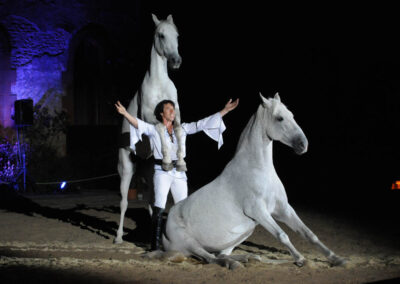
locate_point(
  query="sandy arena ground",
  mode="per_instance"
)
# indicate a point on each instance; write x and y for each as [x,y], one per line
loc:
[69,239]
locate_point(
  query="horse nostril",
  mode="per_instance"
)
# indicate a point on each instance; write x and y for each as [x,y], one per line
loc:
[300,145]
[175,61]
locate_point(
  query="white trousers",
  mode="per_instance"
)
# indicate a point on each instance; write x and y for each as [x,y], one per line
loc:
[163,181]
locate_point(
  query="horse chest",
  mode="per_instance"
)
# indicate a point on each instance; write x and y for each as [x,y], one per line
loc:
[155,89]
[273,190]
[270,191]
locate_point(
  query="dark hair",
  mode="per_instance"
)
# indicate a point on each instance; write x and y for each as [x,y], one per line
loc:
[160,108]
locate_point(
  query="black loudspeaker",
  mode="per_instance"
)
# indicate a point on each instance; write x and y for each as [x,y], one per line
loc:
[23,112]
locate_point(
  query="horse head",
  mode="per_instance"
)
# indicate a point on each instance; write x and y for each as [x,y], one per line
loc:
[166,41]
[281,126]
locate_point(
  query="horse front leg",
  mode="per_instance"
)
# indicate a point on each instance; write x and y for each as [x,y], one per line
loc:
[125,170]
[180,164]
[290,218]
[167,161]
[259,213]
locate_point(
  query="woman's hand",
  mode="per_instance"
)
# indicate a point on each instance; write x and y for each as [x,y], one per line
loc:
[229,106]
[120,108]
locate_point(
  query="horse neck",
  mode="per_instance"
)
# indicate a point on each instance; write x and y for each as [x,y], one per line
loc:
[253,143]
[158,66]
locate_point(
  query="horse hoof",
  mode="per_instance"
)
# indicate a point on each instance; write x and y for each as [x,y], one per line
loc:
[181,168]
[255,257]
[118,241]
[337,261]
[300,262]
[167,166]
[155,254]
[234,265]
[174,256]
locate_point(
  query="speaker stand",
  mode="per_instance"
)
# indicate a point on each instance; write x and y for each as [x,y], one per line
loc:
[23,179]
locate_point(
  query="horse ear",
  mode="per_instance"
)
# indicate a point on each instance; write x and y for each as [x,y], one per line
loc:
[265,102]
[277,97]
[155,19]
[170,20]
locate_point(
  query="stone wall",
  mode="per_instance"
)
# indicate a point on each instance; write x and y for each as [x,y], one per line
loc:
[39,40]
[40,33]
[39,58]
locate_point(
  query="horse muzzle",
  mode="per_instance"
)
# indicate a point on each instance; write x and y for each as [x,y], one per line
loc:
[300,145]
[174,62]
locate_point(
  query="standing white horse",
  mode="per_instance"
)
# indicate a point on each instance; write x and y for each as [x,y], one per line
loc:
[156,86]
[211,222]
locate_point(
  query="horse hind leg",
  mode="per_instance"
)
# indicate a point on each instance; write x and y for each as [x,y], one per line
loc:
[172,256]
[195,249]
[178,240]
[222,259]
[125,170]
[243,258]
[290,218]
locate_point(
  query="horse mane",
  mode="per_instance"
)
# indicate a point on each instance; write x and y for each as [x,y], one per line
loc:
[248,128]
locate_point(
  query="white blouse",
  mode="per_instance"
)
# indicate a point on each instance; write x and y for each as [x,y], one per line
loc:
[212,125]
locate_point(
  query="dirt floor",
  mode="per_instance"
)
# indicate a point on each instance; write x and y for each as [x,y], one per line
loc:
[68,238]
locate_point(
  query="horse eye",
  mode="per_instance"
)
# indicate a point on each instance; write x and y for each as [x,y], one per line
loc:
[161,36]
[279,118]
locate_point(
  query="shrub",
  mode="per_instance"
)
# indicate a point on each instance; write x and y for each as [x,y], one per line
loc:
[44,161]
[40,143]
[8,158]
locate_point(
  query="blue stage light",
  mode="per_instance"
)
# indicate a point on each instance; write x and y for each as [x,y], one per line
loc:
[63,184]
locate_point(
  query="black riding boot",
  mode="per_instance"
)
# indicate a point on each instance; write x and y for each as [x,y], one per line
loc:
[156,228]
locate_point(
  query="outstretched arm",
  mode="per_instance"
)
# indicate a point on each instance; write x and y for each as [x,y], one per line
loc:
[229,106]
[122,110]
[212,125]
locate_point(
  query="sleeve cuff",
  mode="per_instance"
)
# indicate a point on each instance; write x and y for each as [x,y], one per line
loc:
[214,127]
[136,134]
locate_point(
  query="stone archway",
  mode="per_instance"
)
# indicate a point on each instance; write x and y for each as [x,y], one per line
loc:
[7,76]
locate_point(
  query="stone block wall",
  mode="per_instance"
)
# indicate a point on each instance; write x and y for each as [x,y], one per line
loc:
[39,36]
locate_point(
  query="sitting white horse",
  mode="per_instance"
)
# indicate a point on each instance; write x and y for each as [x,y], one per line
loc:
[211,222]
[156,86]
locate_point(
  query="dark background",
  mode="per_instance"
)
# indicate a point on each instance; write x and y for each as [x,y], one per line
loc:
[335,68]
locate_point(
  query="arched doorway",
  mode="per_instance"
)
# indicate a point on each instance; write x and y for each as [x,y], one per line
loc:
[7,78]
[92,79]
[93,135]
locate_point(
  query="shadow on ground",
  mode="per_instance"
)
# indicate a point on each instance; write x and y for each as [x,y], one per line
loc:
[13,202]
[24,274]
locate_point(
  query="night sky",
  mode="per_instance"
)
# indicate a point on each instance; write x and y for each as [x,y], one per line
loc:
[335,68]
